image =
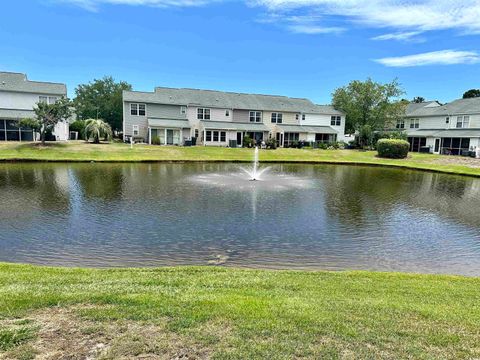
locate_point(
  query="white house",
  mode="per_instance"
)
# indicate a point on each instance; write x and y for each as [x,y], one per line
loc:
[215,118]
[452,128]
[18,96]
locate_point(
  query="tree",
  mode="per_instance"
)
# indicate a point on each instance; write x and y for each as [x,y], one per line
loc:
[370,103]
[96,129]
[472,93]
[418,99]
[47,116]
[101,98]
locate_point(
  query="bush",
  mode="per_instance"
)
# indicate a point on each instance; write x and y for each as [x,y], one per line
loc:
[248,142]
[393,148]
[156,140]
[78,126]
[271,143]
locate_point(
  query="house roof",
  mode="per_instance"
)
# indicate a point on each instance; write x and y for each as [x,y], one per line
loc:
[224,125]
[16,114]
[19,83]
[434,108]
[307,129]
[227,100]
[155,122]
[467,133]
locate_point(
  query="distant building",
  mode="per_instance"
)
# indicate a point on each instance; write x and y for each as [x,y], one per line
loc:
[452,128]
[215,118]
[18,96]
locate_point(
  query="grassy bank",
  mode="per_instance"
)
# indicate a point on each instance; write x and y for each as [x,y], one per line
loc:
[80,151]
[192,312]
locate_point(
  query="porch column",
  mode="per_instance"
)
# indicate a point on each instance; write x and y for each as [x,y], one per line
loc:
[204,137]
[283,139]
[166,140]
[149,136]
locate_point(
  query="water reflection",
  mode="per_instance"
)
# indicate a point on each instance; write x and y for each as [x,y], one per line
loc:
[300,216]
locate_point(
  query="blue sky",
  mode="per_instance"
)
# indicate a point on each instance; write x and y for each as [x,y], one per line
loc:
[299,48]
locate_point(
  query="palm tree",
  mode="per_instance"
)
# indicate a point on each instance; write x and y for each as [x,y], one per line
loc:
[96,129]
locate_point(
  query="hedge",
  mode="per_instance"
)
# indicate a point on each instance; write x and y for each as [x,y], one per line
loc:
[393,148]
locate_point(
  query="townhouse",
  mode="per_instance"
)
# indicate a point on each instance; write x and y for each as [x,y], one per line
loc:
[172,116]
[451,129]
[18,96]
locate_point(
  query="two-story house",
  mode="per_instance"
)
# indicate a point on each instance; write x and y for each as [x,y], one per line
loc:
[451,128]
[18,97]
[216,118]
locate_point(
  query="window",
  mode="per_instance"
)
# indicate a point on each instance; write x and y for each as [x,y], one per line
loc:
[400,124]
[336,121]
[227,113]
[223,136]
[303,117]
[463,121]
[255,116]
[196,133]
[447,120]
[208,136]
[277,118]
[135,130]
[183,110]
[215,136]
[43,99]
[414,123]
[203,114]
[297,116]
[52,99]
[138,109]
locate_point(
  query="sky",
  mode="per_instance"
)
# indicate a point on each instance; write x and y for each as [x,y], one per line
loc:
[297,48]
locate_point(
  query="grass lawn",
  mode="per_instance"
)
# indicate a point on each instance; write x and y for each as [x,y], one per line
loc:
[80,151]
[206,312]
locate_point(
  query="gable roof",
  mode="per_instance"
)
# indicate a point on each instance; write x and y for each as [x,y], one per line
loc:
[434,108]
[19,83]
[227,100]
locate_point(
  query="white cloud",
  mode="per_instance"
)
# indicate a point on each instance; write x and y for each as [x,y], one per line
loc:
[314,29]
[401,36]
[93,5]
[411,15]
[444,57]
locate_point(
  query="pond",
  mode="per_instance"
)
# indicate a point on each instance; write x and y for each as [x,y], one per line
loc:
[296,217]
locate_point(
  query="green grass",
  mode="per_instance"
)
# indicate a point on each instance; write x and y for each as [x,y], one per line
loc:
[248,314]
[80,151]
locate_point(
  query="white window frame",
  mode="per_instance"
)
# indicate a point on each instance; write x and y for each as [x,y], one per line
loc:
[52,99]
[203,114]
[414,123]
[463,121]
[400,124]
[256,115]
[335,120]
[277,118]
[303,117]
[227,113]
[135,130]
[43,99]
[183,110]
[297,116]
[135,109]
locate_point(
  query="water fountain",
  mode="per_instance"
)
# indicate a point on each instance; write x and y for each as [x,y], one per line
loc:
[254,173]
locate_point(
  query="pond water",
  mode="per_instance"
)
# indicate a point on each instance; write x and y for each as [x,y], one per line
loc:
[296,217]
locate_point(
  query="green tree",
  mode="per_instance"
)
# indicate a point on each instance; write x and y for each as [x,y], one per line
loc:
[96,129]
[370,103]
[101,98]
[47,116]
[472,93]
[418,99]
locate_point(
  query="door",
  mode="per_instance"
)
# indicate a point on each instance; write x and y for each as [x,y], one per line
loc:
[239,139]
[169,137]
[436,149]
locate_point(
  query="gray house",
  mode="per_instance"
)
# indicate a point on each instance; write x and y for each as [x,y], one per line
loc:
[18,96]
[215,118]
[452,128]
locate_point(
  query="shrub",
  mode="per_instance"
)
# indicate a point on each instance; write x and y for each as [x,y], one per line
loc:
[323,146]
[78,126]
[271,143]
[156,140]
[248,141]
[393,148]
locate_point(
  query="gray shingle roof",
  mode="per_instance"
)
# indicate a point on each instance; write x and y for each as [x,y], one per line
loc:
[224,125]
[444,133]
[460,106]
[168,123]
[227,100]
[307,129]
[19,83]
[16,114]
